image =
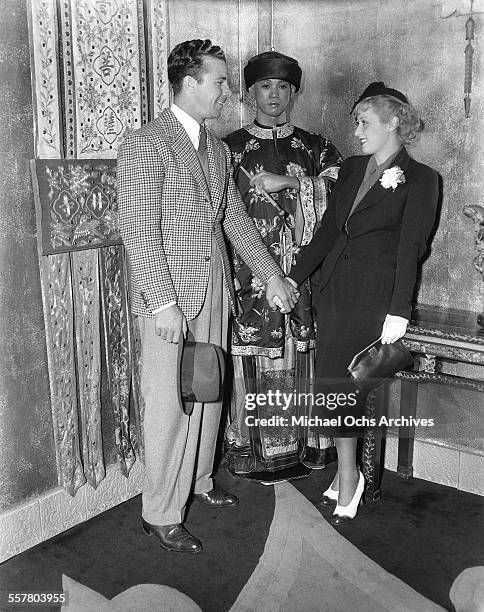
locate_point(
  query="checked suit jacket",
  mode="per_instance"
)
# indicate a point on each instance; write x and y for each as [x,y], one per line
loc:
[168,215]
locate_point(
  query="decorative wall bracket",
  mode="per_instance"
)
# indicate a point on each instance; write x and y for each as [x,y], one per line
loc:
[451,10]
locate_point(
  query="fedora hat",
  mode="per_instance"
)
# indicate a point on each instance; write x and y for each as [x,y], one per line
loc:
[201,371]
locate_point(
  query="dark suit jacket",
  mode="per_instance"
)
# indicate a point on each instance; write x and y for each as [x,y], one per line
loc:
[378,252]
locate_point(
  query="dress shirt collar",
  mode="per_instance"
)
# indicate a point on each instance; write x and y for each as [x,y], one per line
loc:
[373,166]
[190,125]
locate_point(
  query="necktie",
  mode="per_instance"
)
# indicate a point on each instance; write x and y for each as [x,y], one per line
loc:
[202,143]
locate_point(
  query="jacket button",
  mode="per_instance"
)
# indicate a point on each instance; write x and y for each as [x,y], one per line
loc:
[346,256]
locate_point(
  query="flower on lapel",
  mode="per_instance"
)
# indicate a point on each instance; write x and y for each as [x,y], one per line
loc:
[392,177]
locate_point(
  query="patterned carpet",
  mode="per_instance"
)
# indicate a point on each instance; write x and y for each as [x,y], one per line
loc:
[275,551]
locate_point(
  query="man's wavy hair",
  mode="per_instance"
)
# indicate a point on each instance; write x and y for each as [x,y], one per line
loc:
[187,59]
[386,107]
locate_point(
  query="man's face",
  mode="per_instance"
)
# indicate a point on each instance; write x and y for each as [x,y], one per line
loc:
[272,97]
[213,90]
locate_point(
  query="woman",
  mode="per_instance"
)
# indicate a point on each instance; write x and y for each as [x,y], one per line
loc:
[271,350]
[372,237]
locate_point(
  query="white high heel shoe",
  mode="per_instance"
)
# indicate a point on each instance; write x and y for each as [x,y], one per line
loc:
[342,514]
[329,496]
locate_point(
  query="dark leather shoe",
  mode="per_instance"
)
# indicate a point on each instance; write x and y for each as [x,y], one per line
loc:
[173,537]
[217,498]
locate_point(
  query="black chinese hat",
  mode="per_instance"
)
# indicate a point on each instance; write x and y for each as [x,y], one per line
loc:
[272,65]
[378,88]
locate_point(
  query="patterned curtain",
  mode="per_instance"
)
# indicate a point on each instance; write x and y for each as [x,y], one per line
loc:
[92,80]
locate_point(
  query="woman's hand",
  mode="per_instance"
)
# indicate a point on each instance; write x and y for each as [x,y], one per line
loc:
[394,328]
[272,183]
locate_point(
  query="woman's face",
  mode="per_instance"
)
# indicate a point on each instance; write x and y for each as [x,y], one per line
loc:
[376,137]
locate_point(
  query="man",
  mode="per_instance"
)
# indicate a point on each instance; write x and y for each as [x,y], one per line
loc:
[177,202]
[272,351]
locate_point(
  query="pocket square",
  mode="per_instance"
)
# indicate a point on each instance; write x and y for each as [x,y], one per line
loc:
[378,361]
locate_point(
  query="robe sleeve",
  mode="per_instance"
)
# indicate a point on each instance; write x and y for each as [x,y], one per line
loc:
[314,190]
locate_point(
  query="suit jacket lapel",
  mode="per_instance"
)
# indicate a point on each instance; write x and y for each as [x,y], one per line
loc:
[378,192]
[217,170]
[184,150]
[348,192]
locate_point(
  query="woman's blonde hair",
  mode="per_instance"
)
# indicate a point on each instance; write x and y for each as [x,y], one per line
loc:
[386,107]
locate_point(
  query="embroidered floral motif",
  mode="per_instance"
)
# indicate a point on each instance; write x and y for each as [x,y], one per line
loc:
[297,143]
[304,331]
[293,169]
[276,248]
[237,262]
[267,226]
[251,145]
[392,177]
[254,194]
[247,333]
[257,287]
[276,334]
[267,133]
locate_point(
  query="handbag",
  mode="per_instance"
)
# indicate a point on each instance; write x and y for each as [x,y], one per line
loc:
[377,362]
[201,368]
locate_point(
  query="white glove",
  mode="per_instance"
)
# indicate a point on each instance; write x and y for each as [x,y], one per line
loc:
[394,328]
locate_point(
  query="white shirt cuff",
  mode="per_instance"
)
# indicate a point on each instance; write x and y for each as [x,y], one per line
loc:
[161,308]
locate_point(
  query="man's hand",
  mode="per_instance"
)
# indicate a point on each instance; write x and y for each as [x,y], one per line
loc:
[280,292]
[271,183]
[170,324]
[394,328]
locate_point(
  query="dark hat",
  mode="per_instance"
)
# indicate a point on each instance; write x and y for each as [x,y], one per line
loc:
[272,65]
[201,367]
[378,88]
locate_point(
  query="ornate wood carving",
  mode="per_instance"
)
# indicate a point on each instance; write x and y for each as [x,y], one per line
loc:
[455,353]
[88,357]
[58,314]
[428,363]
[443,379]
[369,456]
[444,335]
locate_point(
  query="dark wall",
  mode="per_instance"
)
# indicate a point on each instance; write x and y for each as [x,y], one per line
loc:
[27,456]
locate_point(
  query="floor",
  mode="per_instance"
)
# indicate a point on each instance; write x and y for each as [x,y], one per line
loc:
[275,551]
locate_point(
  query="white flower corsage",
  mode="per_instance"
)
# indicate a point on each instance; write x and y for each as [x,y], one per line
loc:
[392,177]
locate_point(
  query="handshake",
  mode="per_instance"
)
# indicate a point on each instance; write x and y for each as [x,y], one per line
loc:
[282,293]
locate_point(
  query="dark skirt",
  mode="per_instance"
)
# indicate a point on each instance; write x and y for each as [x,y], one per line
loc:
[346,324]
